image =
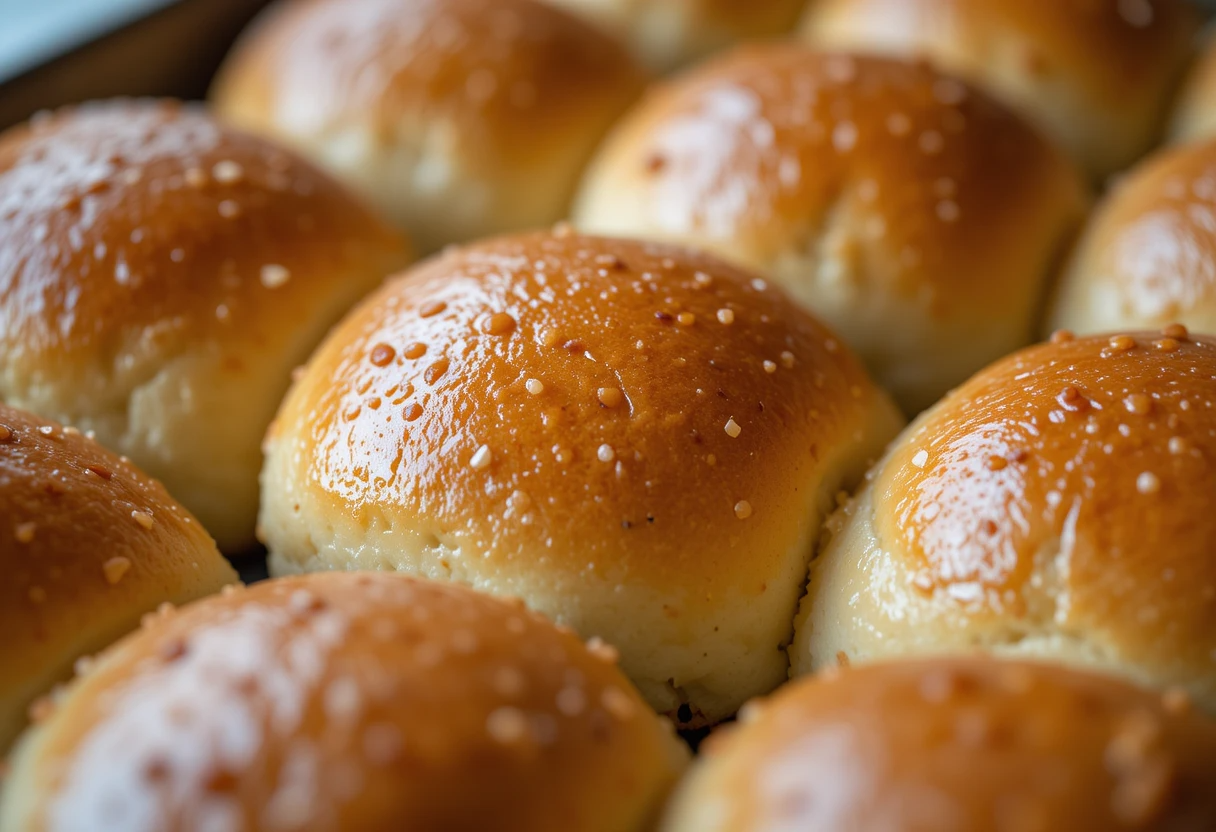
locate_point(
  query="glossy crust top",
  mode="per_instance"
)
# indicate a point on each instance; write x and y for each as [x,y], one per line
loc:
[88,543]
[1102,95]
[974,744]
[513,69]
[1069,488]
[129,219]
[1145,259]
[344,701]
[460,118]
[160,275]
[752,151]
[606,404]
[916,215]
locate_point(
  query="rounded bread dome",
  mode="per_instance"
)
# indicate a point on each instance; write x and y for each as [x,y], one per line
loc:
[973,744]
[458,118]
[1059,505]
[88,544]
[666,34]
[638,440]
[1097,76]
[917,217]
[160,276]
[344,701]
[1145,258]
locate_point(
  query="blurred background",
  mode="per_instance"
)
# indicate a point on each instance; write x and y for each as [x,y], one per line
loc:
[55,52]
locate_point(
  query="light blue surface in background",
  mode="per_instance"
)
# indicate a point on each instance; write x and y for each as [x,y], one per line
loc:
[34,31]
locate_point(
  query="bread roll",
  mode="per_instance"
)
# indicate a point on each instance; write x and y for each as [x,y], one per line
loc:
[88,543]
[369,702]
[917,217]
[160,276]
[1146,256]
[1060,505]
[961,745]
[1194,116]
[459,118]
[666,34]
[1096,75]
[637,440]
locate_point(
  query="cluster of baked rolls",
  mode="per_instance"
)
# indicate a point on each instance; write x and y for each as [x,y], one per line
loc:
[629,450]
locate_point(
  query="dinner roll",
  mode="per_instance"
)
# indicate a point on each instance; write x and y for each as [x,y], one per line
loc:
[459,118]
[1194,116]
[368,702]
[1146,256]
[666,34]
[160,276]
[916,216]
[88,543]
[957,746]
[1096,75]
[1060,505]
[638,440]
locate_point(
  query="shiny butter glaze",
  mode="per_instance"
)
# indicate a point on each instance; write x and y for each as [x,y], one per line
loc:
[347,702]
[1070,487]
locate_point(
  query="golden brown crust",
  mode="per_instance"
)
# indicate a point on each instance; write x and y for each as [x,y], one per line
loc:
[1145,259]
[611,430]
[852,178]
[600,324]
[476,100]
[1103,95]
[139,215]
[1067,490]
[345,701]
[971,744]
[88,543]
[152,263]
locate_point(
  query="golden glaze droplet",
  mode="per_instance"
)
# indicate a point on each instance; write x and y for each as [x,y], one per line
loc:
[24,532]
[115,569]
[431,308]
[732,428]
[6,434]
[382,355]
[609,396]
[482,458]
[743,509]
[435,371]
[1062,336]
[273,275]
[99,470]
[500,323]
[144,519]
